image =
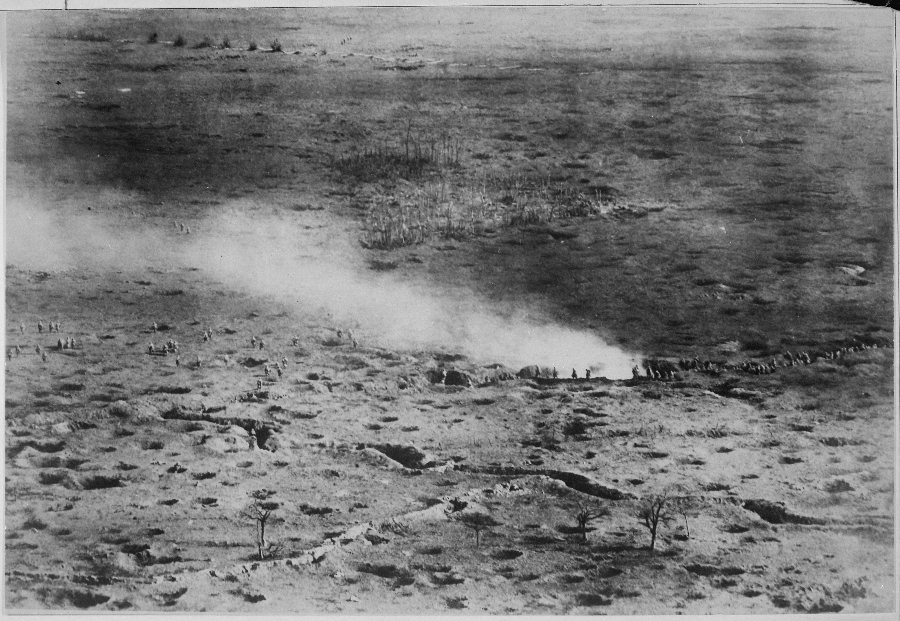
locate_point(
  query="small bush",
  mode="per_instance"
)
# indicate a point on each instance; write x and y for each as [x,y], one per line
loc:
[252,47]
[35,523]
[837,486]
[153,38]
[718,431]
[53,478]
[477,522]
[87,35]
[206,42]
[179,41]
[276,45]
[575,427]
[226,43]
[101,482]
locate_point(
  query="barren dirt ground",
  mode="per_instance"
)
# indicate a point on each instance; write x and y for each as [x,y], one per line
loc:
[407,207]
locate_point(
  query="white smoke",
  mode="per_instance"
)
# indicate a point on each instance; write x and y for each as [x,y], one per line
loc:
[302,260]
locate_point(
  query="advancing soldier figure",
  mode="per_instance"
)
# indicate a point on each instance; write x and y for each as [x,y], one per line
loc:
[72,343]
[340,333]
[18,350]
[59,344]
[279,372]
[44,356]
[574,374]
[635,372]
[149,348]
[258,384]
[40,327]
[262,343]
[587,374]
[266,370]
[37,350]
[253,342]
[9,354]
[555,374]
[177,361]
[22,327]
[155,326]
[284,362]
[355,343]
[295,341]
[199,363]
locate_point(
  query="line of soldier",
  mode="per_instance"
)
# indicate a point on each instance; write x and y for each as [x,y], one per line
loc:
[843,351]
[661,369]
[51,326]
[171,347]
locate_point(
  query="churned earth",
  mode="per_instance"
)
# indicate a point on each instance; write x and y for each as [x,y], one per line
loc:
[362,242]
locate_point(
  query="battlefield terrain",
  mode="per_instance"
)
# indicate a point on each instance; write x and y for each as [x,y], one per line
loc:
[294,302]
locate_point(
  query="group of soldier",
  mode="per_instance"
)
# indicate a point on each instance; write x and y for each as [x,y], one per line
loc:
[340,335]
[278,368]
[52,326]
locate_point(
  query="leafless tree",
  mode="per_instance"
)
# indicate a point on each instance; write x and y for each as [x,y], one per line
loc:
[654,510]
[261,510]
[586,515]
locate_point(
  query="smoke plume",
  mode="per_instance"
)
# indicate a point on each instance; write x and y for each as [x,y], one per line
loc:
[316,267]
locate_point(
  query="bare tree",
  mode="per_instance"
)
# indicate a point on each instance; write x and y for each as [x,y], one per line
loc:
[260,511]
[477,522]
[586,515]
[654,510]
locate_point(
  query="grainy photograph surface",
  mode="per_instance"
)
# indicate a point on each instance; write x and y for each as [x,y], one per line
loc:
[450,311]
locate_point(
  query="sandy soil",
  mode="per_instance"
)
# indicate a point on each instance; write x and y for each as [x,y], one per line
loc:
[707,200]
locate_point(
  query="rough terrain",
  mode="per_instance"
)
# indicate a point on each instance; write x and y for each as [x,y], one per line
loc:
[709,200]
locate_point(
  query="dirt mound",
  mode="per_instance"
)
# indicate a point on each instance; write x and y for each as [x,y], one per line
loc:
[498,374]
[376,458]
[132,410]
[777,513]
[406,455]
[60,477]
[251,362]
[458,378]
[73,597]
[533,371]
